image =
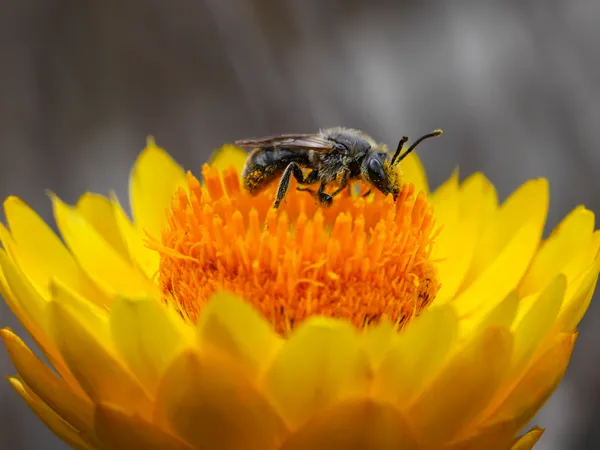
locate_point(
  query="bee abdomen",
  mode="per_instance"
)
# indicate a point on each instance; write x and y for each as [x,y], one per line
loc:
[256,178]
[264,166]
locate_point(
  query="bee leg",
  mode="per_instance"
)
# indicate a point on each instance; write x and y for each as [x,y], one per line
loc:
[311,178]
[324,198]
[284,184]
[343,183]
[305,189]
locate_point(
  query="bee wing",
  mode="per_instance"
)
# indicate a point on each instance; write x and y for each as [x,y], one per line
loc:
[289,141]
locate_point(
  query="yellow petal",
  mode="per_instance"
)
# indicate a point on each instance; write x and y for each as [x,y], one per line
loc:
[413,172]
[527,441]
[477,203]
[52,420]
[417,356]
[524,210]
[588,257]
[378,340]
[537,314]
[31,309]
[494,437]
[321,363]
[97,210]
[538,322]
[538,384]
[501,276]
[354,425]
[100,261]
[35,239]
[84,354]
[39,252]
[528,203]
[569,239]
[527,394]
[148,335]
[228,156]
[576,305]
[92,317]
[232,325]
[502,315]
[210,403]
[146,259]
[454,399]
[119,430]
[445,201]
[154,179]
[2,277]
[14,304]
[29,299]
[53,391]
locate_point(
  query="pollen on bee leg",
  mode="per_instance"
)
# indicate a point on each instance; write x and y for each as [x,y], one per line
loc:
[356,260]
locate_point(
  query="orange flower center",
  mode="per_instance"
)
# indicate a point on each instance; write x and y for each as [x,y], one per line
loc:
[360,259]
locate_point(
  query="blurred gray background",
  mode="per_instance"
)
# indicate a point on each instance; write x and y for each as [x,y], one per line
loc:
[514,84]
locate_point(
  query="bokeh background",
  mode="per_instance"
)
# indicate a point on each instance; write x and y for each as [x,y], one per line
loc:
[514,84]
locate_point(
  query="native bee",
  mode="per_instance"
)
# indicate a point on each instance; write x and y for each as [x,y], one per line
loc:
[333,156]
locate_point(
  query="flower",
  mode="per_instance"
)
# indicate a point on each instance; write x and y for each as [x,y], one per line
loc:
[439,321]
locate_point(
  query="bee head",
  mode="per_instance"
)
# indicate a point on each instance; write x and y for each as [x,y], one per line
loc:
[378,171]
[382,172]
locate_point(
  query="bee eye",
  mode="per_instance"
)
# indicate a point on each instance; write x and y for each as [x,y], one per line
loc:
[376,173]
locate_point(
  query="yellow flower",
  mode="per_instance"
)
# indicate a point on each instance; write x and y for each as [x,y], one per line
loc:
[439,321]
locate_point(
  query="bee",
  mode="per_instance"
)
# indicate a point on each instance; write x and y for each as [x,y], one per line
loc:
[332,157]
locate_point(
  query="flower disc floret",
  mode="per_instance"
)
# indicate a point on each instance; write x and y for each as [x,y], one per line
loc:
[360,259]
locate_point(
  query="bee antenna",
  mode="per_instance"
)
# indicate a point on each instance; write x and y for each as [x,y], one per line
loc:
[397,157]
[399,149]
